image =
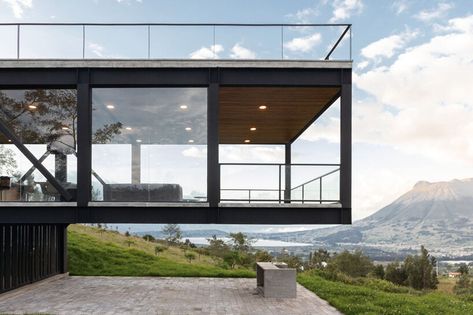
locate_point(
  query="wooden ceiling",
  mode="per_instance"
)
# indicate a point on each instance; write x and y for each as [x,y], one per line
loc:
[289,111]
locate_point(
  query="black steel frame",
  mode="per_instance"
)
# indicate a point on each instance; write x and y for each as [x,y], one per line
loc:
[84,79]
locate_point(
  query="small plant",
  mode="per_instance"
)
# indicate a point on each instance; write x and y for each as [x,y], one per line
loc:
[158,249]
[189,256]
[129,242]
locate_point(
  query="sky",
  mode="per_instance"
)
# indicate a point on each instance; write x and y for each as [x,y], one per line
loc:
[412,73]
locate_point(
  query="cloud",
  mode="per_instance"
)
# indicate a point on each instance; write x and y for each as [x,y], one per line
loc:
[399,6]
[195,152]
[435,13]
[387,46]
[303,44]
[250,154]
[362,64]
[240,52]
[97,49]
[207,52]
[18,6]
[304,15]
[421,103]
[343,9]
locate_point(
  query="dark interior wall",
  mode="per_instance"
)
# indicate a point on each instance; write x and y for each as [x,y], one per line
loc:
[31,252]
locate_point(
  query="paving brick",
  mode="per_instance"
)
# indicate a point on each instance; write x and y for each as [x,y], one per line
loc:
[153,295]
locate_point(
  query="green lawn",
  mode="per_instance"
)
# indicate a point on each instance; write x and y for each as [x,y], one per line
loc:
[95,253]
[367,299]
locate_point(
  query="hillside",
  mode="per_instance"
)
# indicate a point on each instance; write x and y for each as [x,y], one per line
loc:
[92,251]
[437,215]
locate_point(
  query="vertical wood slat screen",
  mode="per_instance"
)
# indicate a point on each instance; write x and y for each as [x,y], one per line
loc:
[30,252]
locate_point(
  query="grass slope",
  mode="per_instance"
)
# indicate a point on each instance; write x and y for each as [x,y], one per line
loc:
[95,253]
[362,299]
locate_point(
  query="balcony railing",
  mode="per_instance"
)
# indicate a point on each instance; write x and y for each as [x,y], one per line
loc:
[273,183]
[175,41]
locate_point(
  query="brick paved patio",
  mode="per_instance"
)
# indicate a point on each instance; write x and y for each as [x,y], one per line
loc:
[147,295]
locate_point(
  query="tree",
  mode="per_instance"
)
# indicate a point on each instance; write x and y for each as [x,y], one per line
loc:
[262,256]
[217,247]
[378,271]
[353,264]
[420,270]
[149,238]
[7,161]
[463,269]
[172,232]
[127,234]
[189,256]
[158,249]
[240,242]
[395,273]
[319,259]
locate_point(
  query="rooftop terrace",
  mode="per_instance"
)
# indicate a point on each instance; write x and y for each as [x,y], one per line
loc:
[175,41]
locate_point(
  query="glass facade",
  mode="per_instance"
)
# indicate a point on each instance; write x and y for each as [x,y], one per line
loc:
[45,122]
[149,144]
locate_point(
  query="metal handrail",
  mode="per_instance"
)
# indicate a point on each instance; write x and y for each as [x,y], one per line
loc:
[280,190]
[213,25]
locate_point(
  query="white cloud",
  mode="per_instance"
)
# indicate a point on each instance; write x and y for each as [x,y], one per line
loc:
[304,15]
[207,52]
[195,152]
[240,52]
[387,46]
[343,9]
[303,44]
[18,6]
[400,6]
[362,64]
[96,49]
[435,13]
[256,154]
[421,102]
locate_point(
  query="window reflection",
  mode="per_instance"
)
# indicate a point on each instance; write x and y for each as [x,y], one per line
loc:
[149,144]
[45,121]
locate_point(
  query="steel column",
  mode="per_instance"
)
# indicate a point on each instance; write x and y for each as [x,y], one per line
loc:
[213,167]
[345,145]
[84,139]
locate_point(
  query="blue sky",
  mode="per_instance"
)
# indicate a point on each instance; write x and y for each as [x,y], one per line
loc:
[413,65]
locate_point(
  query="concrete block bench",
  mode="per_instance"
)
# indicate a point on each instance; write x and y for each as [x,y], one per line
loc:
[275,280]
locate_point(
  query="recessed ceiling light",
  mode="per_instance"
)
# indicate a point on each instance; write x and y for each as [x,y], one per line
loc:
[247,141]
[263,107]
[32,106]
[183,107]
[110,106]
[253,128]
[191,141]
[188,128]
[139,140]
[65,128]
[128,128]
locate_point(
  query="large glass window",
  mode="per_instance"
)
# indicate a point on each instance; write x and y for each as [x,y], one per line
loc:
[149,144]
[45,122]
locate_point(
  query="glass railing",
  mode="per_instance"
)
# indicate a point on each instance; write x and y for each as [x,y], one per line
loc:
[279,183]
[175,41]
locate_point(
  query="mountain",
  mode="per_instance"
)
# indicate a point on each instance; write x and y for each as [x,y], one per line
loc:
[438,215]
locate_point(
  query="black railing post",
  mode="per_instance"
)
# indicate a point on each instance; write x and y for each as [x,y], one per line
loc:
[287,174]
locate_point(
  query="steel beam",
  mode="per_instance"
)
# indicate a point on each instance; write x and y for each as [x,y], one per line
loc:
[24,150]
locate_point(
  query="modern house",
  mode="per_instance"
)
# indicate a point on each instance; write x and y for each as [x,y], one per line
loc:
[143,140]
